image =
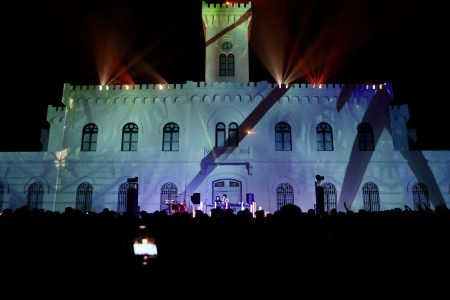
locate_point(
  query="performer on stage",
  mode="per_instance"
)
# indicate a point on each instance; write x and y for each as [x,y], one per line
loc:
[217,202]
[225,200]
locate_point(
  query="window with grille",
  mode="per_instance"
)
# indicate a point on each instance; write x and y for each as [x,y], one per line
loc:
[122,197]
[234,183]
[219,184]
[35,196]
[285,194]
[365,137]
[371,197]
[283,137]
[84,197]
[222,65]
[169,191]
[170,137]
[130,137]
[330,196]
[226,65]
[89,137]
[324,137]
[230,67]
[420,196]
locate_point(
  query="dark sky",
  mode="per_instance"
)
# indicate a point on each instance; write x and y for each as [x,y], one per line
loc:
[355,41]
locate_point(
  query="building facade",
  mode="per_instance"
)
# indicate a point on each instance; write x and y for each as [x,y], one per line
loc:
[226,136]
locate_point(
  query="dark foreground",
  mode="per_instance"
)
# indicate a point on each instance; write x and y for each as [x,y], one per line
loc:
[289,253]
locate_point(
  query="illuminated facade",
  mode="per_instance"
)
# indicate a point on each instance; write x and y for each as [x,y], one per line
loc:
[226,136]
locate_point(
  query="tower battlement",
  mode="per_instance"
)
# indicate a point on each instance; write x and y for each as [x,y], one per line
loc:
[219,92]
[225,6]
[399,115]
[224,85]
[226,28]
[55,113]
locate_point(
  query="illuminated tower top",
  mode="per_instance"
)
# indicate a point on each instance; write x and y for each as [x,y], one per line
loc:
[226,29]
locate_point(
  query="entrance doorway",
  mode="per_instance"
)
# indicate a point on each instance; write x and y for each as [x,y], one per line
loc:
[231,187]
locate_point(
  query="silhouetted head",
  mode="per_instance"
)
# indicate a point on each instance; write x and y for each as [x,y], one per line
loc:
[290,210]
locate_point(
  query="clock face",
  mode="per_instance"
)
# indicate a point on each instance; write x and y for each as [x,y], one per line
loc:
[227,45]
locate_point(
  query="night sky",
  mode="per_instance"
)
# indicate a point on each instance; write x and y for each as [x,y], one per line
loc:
[347,41]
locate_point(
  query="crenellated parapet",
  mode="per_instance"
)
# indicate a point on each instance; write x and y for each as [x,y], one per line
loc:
[225,6]
[222,14]
[399,115]
[399,112]
[233,85]
[218,92]
[55,114]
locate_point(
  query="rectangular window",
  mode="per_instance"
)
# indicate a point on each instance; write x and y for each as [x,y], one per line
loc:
[365,142]
[233,139]
[223,65]
[234,184]
[166,146]
[230,65]
[278,141]
[279,146]
[175,141]
[320,146]
[362,142]
[85,146]
[166,143]
[221,139]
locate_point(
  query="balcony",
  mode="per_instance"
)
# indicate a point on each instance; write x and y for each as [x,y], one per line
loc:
[227,152]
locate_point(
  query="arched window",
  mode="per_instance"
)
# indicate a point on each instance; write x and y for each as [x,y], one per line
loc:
[371,197]
[130,137]
[233,135]
[169,192]
[84,197]
[324,137]
[220,135]
[230,65]
[283,137]
[285,194]
[330,197]
[89,137]
[2,193]
[420,196]
[226,65]
[122,197]
[170,137]
[35,196]
[223,65]
[365,137]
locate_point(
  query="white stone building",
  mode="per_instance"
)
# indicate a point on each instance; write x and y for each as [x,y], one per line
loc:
[226,136]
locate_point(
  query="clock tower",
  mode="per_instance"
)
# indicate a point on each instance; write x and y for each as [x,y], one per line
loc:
[226,29]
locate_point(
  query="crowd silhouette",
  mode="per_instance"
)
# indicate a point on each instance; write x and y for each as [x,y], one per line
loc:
[290,250]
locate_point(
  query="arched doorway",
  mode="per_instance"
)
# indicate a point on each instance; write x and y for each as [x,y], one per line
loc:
[231,187]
